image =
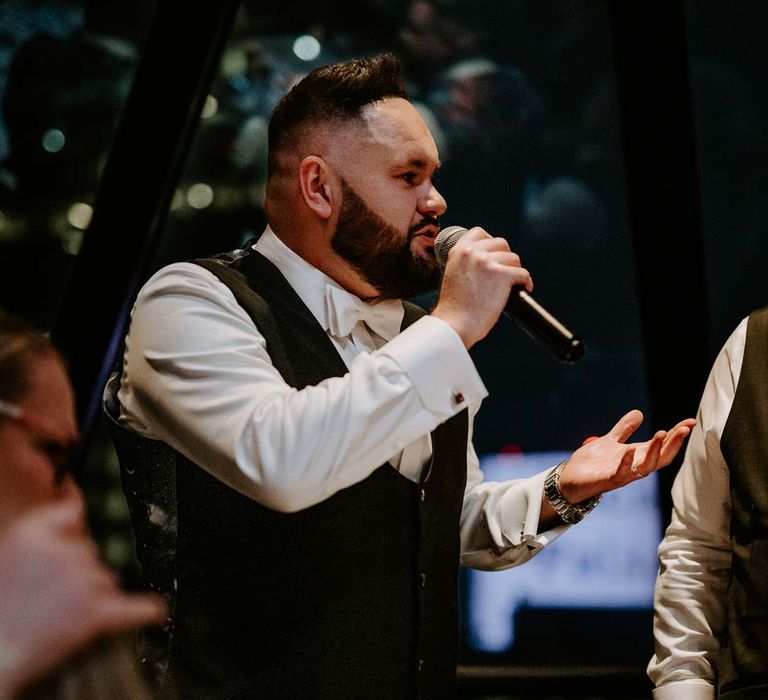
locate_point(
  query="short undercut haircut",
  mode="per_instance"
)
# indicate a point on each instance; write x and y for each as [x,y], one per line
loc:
[336,92]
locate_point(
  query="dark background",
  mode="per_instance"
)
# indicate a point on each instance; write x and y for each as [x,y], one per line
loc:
[619,146]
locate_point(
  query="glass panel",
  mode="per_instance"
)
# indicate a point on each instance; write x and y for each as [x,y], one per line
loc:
[520,97]
[65,71]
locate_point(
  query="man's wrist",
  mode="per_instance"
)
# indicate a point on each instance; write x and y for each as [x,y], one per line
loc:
[568,511]
[467,339]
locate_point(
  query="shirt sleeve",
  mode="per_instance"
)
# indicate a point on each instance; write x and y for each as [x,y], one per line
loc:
[695,554]
[197,376]
[500,520]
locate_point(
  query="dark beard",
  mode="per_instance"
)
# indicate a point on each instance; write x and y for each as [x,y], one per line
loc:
[378,253]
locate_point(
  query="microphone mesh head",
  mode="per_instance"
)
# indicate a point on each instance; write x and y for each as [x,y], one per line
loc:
[445,240]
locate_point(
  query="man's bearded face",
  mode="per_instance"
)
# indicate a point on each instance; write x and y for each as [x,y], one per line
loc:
[380,253]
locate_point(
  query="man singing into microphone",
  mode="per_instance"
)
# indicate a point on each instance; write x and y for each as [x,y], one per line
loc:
[298,439]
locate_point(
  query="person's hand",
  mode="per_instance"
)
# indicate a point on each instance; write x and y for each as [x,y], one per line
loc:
[55,595]
[608,462]
[478,278]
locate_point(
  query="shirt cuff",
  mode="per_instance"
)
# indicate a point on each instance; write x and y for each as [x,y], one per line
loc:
[693,689]
[519,511]
[431,353]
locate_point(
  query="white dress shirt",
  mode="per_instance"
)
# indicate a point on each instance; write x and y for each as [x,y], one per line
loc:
[695,554]
[197,375]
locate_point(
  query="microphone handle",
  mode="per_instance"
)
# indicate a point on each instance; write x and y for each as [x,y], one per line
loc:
[533,318]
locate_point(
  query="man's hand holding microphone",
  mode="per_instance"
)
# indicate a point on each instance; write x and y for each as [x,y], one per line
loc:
[479,274]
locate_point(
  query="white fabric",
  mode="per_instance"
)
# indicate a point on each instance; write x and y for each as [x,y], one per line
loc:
[197,376]
[344,311]
[692,689]
[695,555]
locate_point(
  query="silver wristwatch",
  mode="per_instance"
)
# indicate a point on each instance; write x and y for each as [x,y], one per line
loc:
[570,513]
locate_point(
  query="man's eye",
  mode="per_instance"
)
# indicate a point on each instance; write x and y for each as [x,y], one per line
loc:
[410,178]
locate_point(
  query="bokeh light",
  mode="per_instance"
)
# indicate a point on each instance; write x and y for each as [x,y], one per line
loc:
[53,140]
[79,215]
[306,47]
[200,195]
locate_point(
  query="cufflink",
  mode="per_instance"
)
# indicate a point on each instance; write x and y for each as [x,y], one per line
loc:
[458,398]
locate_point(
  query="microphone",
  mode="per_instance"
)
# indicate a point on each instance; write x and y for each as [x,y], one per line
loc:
[523,308]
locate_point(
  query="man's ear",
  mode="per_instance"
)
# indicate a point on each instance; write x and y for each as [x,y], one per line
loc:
[316,186]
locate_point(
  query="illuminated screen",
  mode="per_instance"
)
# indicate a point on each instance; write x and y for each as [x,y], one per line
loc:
[604,565]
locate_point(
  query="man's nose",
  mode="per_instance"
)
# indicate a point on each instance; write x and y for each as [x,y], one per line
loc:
[432,203]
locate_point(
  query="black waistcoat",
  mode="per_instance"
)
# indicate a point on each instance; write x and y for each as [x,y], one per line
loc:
[744,666]
[352,598]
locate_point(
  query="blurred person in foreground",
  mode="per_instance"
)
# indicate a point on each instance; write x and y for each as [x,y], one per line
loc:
[711,603]
[56,598]
[296,440]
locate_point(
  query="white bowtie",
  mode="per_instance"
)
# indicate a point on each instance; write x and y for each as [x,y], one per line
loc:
[343,310]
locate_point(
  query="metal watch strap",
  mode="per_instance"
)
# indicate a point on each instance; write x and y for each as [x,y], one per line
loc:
[570,513]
